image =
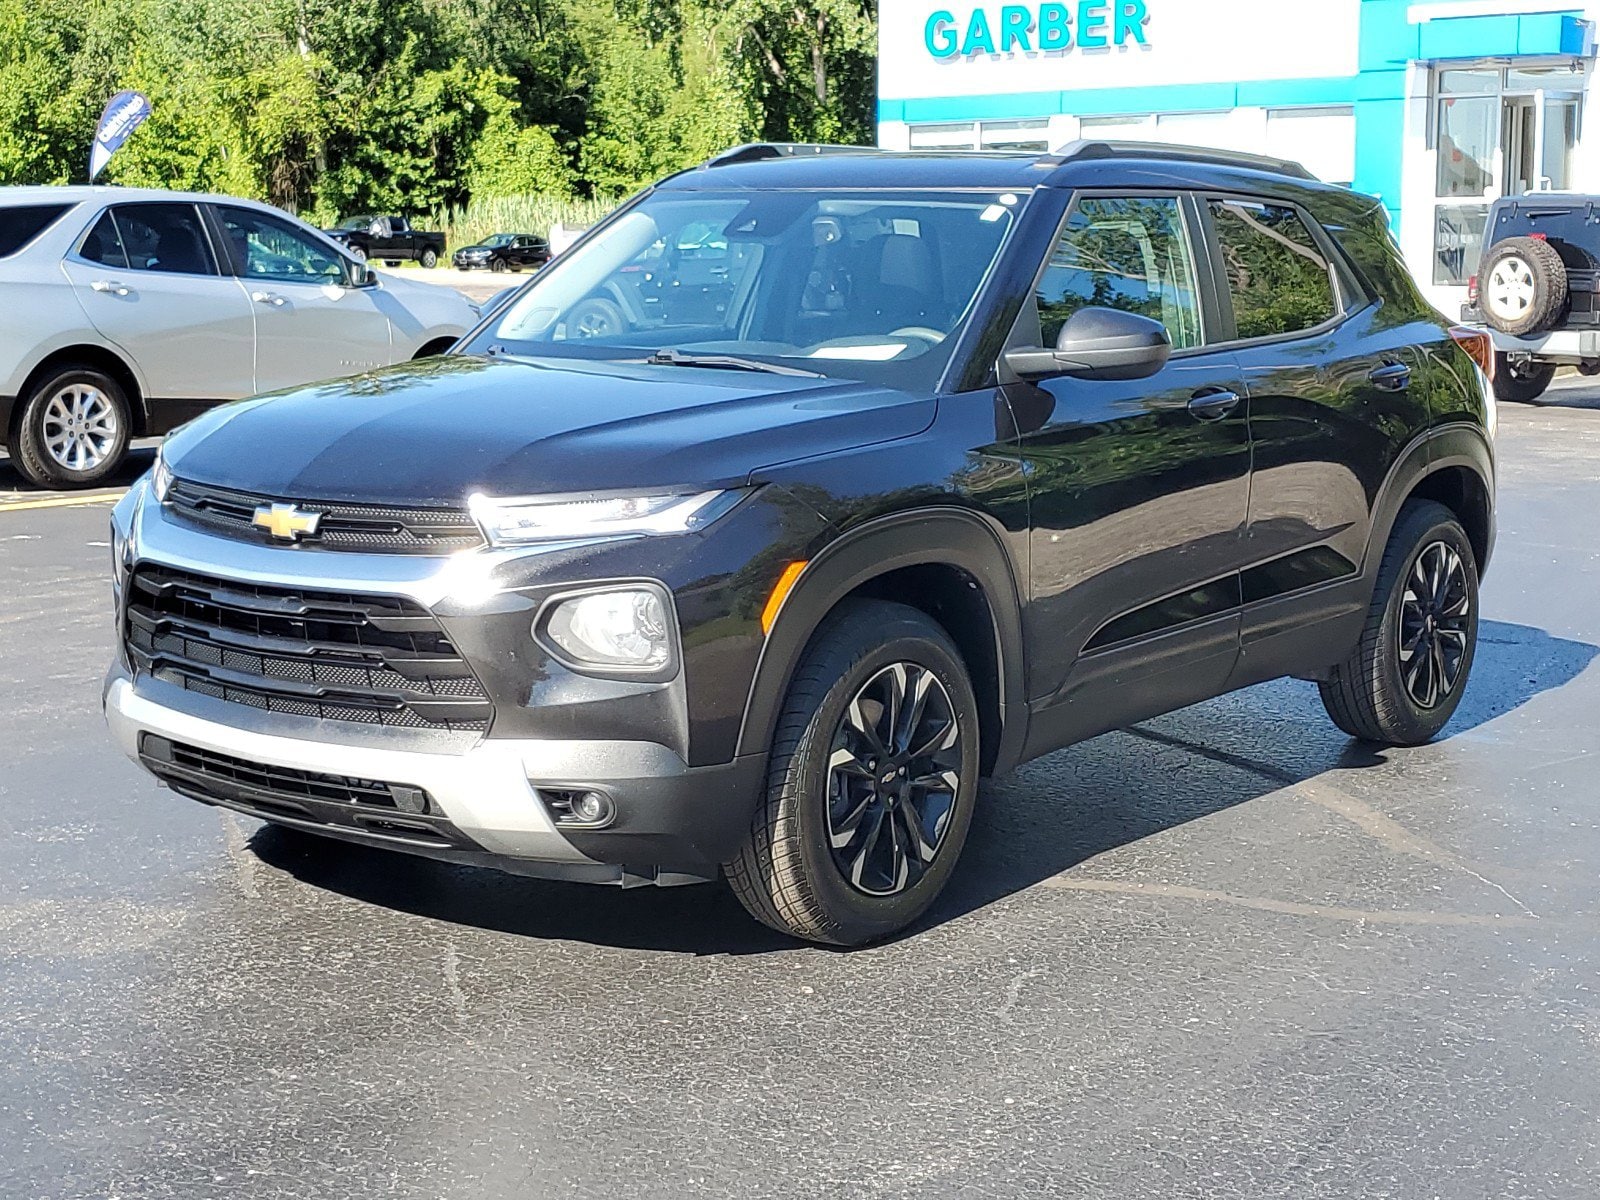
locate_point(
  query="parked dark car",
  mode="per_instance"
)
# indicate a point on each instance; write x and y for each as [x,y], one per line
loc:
[1537,290]
[977,456]
[504,252]
[389,239]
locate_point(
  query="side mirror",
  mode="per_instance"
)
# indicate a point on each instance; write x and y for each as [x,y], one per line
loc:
[380,228]
[1097,343]
[362,275]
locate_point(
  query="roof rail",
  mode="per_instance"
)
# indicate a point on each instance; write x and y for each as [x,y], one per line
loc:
[1084,150]
[756,151]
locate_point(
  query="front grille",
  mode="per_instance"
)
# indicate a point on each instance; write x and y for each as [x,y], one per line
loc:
[378,660]
[372,528]
[393,811]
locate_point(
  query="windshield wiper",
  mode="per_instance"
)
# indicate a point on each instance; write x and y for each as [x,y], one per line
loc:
[669,357]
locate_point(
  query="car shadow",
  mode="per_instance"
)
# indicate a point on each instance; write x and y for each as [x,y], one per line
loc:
[140,456]
[1024,831]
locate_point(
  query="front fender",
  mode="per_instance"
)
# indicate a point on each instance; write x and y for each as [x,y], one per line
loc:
[945,536]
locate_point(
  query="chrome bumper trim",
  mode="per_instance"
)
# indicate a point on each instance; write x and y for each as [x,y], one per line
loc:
[484,791]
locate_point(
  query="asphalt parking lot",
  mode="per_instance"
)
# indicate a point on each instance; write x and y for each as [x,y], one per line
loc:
[1225,954]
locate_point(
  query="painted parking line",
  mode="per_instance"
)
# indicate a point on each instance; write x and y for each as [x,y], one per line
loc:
[61,502]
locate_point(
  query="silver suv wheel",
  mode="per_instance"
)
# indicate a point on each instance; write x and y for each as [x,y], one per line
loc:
[82,427]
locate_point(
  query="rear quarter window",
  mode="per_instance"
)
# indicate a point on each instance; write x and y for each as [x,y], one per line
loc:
[19,225]
[1361,230]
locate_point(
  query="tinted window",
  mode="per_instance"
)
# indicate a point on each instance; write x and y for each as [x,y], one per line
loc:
[273,249]
[162,237]
[104,243]
[1278,276]
[1130,254]
[19,226]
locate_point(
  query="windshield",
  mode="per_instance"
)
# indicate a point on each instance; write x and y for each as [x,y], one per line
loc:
[870,285]
[499,239]
[355,223]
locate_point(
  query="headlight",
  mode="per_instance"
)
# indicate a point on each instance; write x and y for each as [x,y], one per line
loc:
[521,521]
[626,628]
[161,478]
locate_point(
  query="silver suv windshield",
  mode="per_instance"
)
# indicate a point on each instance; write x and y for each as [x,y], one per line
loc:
[868,285]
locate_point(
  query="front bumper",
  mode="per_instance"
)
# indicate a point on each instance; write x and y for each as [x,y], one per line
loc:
[554,732]
[487,793]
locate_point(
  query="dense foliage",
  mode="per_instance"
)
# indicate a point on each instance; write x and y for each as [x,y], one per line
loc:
[337,106]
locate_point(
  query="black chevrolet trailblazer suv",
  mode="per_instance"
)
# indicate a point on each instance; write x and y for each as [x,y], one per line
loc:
[985,454]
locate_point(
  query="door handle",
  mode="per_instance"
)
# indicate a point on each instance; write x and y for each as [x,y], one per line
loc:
[1392,377]
[110,286]
[267,298]
[1212,404]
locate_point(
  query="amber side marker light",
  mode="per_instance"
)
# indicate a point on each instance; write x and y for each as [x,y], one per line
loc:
[1478,345]
[780,593]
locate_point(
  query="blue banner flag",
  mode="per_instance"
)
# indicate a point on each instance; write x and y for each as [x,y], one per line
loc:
[125,112]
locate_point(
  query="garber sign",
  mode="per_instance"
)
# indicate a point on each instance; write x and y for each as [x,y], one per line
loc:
[1048,28]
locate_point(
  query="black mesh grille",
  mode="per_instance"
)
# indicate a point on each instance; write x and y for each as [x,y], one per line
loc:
[373,807]
[370,528]
[377,660]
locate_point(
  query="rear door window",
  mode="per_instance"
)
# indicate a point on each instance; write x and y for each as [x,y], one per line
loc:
[21,224]
[167,238]
[104,243]
[1280,280]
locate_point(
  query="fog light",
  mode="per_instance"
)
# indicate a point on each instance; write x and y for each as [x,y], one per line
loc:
[626,629]
[578,809]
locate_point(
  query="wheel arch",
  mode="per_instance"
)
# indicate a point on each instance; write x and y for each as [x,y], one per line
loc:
[956,570]
[1453,465]
[434,346]
[87,354]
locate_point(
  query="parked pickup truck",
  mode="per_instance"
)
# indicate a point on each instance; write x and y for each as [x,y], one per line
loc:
[389,239]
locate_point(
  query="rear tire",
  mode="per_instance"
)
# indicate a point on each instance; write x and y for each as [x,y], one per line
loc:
[74,430]
[1522,287]
[1521,385]
[848,846]
[1404,680]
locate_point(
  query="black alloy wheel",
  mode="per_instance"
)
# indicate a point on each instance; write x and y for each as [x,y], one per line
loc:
[1404,679]
[892,779]
[1436,613]
[871,782]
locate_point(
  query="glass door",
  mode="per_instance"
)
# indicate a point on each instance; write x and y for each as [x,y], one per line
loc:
[1497,132]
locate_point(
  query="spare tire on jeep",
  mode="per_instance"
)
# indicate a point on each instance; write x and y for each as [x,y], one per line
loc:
[1523,286]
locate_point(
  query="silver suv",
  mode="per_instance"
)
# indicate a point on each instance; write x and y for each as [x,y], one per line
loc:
[125,312]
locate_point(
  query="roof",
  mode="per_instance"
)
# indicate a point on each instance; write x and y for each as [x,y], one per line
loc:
[105,193]
[1081,164]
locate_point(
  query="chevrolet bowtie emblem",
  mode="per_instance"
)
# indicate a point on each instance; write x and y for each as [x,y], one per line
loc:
[286,522]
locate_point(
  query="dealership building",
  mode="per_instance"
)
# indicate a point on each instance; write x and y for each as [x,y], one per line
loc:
[1437,107]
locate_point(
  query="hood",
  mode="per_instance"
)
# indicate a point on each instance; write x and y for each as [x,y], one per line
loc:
[423,309]
[434,432]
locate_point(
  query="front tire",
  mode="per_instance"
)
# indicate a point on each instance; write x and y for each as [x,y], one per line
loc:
[871,783]
[74,430]
[1404,680]
[1521,385]
[498,266]
[429,259]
